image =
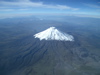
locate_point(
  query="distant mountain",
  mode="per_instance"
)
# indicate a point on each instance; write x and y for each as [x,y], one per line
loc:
[54,34]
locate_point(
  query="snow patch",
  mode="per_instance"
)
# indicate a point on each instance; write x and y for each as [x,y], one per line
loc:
[53,34]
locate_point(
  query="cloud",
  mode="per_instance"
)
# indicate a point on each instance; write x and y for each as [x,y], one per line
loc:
[80,14]
[93,6]
[3,16]
[84,15]
[7,10]
[60,7]
[28,4]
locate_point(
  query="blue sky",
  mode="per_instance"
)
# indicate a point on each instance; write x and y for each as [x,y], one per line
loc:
[83,8]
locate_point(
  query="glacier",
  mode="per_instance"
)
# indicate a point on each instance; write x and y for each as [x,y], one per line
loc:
[54,34]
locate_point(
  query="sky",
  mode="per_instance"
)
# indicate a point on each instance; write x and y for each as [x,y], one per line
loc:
[83,8]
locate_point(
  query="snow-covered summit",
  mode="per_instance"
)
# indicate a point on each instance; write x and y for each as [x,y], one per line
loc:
[54,34]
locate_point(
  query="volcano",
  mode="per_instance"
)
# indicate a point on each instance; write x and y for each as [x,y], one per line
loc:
[63,54]
[54,34]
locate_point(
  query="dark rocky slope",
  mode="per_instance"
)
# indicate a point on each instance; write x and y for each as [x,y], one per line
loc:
[30,56]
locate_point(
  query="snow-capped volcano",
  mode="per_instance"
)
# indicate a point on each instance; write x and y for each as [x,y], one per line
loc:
[54,34]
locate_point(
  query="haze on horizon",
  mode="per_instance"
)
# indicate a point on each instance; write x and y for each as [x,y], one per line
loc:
[82,8]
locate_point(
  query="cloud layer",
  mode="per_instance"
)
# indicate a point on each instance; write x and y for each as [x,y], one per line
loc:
[28,4]
[93,5]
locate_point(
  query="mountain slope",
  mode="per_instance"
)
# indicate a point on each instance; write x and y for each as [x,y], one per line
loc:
[31,56]
[35,57]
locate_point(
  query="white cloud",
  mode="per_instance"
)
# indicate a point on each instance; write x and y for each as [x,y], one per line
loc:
[60,7]
[12,10]
[3,16]
[27,3]
[93,6]
[24,0]
[6,9]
